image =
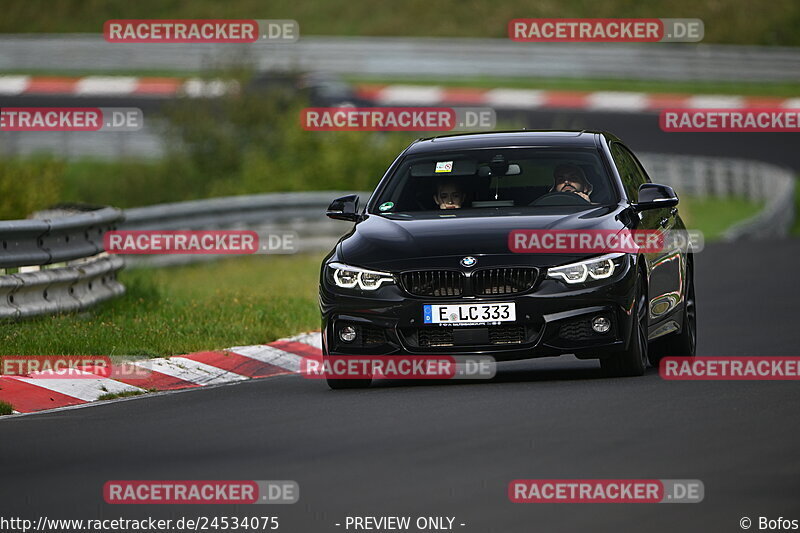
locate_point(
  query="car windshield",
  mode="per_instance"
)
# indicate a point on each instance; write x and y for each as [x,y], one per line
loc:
[523,179]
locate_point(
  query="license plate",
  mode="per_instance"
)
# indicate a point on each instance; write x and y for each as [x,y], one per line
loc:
[468,313]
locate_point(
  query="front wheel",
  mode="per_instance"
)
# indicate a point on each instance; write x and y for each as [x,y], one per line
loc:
[633,360]
[337,384]
[683,344]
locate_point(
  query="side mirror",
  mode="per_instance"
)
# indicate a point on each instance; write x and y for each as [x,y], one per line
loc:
[655,196]
[344,208]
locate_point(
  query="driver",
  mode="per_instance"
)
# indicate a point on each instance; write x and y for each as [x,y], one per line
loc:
[449,195]
[571,178]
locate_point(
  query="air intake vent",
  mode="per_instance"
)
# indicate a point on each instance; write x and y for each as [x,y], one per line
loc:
[434,283]
[431,337]
[507,335]
[503,280]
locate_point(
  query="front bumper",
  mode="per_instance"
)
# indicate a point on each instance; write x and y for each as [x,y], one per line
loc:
[553,318]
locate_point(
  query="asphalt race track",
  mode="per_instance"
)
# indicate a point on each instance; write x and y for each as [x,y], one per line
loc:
[450,449]
[641,132]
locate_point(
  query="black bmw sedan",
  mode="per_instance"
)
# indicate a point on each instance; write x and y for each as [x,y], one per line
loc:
[430,268]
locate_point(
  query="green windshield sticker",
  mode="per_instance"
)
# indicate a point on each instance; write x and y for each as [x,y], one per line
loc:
[386,206]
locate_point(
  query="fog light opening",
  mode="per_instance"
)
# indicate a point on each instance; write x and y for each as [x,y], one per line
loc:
[601,324]
[347,334]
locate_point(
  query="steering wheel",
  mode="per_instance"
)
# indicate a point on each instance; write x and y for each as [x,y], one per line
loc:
[560,198]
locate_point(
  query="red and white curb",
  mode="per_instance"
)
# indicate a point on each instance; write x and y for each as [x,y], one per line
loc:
[97,86]
[423,95]
[38,392]
[388,95]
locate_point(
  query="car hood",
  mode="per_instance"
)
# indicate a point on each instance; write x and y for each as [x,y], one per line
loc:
[395,242]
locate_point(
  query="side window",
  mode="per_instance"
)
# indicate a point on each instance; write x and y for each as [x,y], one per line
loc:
[629,170]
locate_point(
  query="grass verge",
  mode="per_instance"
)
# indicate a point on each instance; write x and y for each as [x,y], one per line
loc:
[729,21]
[241,301]
[760,88]
[125,394]
[713,216]
[6,409]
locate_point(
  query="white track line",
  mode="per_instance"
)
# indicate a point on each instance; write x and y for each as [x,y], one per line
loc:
[13,85]
[410,95]
[617,101]
[192,371]
[87,389]
[100,85]
[521,98]
[715,102]
[312,339]
[273,356]
[195,87]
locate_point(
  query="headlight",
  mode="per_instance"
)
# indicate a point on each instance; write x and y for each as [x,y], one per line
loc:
[350,277]
[596,268]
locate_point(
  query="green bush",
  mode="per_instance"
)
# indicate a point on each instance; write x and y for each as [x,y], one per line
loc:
[254,143]
[127,183]
[28,185]
[245,144]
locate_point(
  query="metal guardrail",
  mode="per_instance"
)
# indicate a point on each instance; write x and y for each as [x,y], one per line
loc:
[302,214]
[80,274]
[230,211]
[59,290]
[726,177]
[54,240]
[57,264]
[414,57]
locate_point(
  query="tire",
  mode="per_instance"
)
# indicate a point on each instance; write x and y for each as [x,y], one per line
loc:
[337,384]
[633,360]
[684,342]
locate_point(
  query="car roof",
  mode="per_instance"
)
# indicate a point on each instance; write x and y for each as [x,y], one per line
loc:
[508,139]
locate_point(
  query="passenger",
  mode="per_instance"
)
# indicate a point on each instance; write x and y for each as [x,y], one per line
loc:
[449,195]
[571,178]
